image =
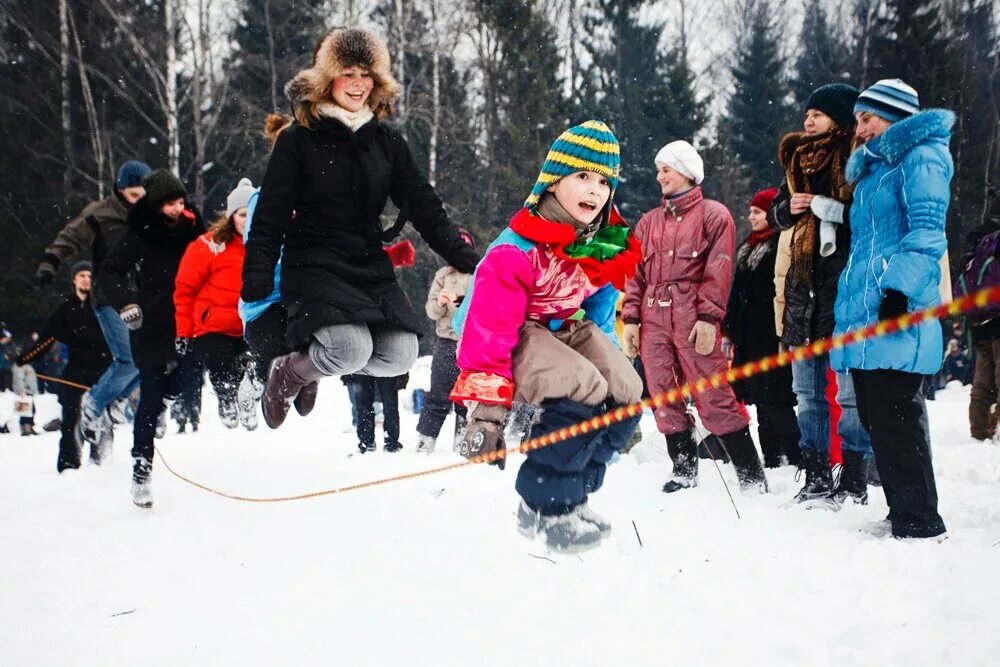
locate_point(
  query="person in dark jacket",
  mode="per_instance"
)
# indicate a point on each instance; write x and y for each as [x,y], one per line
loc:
[366,391]
[75,324]
[985,335]
[749,325]
[161,225]
[96,231]
[336,167]
[814,202]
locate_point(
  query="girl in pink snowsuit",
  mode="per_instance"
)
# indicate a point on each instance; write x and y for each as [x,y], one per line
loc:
[672,310]
[538,328]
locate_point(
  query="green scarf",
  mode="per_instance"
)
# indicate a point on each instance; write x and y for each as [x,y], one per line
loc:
[604,244]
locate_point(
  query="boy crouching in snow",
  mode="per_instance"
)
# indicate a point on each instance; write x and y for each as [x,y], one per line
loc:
[538,328]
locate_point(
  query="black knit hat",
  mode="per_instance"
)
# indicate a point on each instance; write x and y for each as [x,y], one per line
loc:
[836,100]
[162,186]
[82,265]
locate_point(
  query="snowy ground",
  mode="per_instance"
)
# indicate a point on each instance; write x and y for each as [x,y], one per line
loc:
[431,571]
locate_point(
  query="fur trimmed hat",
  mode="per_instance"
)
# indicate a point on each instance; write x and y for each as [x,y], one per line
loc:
[340,49]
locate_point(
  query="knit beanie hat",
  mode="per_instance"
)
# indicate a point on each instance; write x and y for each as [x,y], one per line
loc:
[837,101]
[162,186]
[590,146]
[765,198]
[82,265]
[239,197]
[891,99]
[682,157]
[131,173]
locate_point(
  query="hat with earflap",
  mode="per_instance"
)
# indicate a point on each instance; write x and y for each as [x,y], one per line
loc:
[589,146]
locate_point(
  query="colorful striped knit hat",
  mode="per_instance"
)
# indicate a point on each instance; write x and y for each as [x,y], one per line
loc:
[891,99]
[590,146]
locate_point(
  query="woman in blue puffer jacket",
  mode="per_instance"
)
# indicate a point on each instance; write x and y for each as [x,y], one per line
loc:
[902,178]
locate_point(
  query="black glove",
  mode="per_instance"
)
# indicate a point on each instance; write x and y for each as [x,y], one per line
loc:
[467,261]
[256,288]
[182,346]
[44,274]
[894,304]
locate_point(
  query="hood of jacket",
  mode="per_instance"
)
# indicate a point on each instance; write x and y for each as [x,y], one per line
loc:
[933,125]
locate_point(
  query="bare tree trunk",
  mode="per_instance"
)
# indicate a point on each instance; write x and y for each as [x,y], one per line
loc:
[97,141]
[173,138]
[432,149]
[199,58]
[64,79]
[272,65]
[400,46]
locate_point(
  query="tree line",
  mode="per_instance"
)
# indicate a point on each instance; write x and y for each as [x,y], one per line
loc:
[487,85]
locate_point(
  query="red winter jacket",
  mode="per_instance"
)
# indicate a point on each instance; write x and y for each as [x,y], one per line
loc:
[207,288]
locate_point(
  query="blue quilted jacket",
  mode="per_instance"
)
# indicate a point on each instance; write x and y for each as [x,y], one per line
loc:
[902,189]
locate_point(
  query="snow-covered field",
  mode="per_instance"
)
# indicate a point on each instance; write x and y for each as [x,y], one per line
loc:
[430,571]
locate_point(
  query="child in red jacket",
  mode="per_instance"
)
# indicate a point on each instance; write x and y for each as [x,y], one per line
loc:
[206,294]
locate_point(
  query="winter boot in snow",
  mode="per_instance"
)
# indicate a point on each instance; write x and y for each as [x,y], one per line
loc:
[365,447]
[100,451]
[289,374]
[247,397]
[306,400]
[853,482]
[527,520]
[749,470]
[879,529]
[684,454]
[819,481]
[142,492]
[568,533]
[425,445]
[229,414]
[711,447]
[584,511]
[161,420]
[117,410]
[91,419]
[461,423]
[392,447]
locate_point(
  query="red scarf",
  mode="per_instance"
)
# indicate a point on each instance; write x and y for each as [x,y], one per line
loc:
[758,237]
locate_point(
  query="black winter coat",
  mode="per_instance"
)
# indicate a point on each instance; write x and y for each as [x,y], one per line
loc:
[75,324]
[749,324]
[809,306]
[148,254]
[334,270]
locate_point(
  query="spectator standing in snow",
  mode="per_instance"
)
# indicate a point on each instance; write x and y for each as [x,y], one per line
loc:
[673,307]
[75,323]
[749,325]
[346,309]
[538,328]
[206,299]
[97,230]
[160,227]
[813,203]
[368,390]
[6,358]
[901,178]
[448,290]
[26,388]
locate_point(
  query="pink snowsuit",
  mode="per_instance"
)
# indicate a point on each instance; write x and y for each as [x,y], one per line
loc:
[685,276]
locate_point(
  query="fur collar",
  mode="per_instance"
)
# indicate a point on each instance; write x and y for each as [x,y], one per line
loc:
[900,139]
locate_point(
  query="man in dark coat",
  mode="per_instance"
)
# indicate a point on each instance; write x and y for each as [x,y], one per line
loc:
[75,324]
[96,231]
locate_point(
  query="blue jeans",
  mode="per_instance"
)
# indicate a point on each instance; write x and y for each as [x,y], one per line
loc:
[122,377]
[809,385]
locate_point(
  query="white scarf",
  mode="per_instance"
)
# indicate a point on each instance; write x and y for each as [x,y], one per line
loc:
[352,119]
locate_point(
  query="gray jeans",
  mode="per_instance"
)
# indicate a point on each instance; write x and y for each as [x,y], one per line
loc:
[343,349]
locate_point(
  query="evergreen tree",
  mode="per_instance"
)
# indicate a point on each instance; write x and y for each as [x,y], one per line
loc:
[824,56]
[758,111]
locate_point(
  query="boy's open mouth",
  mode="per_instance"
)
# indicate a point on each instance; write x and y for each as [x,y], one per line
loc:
[588,206]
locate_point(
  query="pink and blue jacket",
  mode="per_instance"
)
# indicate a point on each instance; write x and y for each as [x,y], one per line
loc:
[527,275]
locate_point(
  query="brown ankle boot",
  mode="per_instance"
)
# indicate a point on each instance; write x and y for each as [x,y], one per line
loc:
[289,374]
[306,400]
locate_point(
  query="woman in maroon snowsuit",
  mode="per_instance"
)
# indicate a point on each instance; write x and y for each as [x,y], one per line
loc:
[672,310]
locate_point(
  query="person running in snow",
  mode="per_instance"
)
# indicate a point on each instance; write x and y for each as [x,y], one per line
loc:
[161,225]
[448,290]
[749,325]
[206,296]
[672,310]
[901,176]
[96,231]
[75,324]
[336,167]
[538,328]
[813,203]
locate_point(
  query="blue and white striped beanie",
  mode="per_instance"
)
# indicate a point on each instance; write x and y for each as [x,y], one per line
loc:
[891,99]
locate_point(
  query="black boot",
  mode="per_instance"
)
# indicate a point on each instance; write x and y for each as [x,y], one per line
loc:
[712,448]
[684,453]
[289,374]
[853,481]
[819,482]
[749,470]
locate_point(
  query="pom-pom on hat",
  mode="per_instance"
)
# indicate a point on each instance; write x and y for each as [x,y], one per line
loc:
[764,199]
[590,146]
[239,197]
[837,101]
